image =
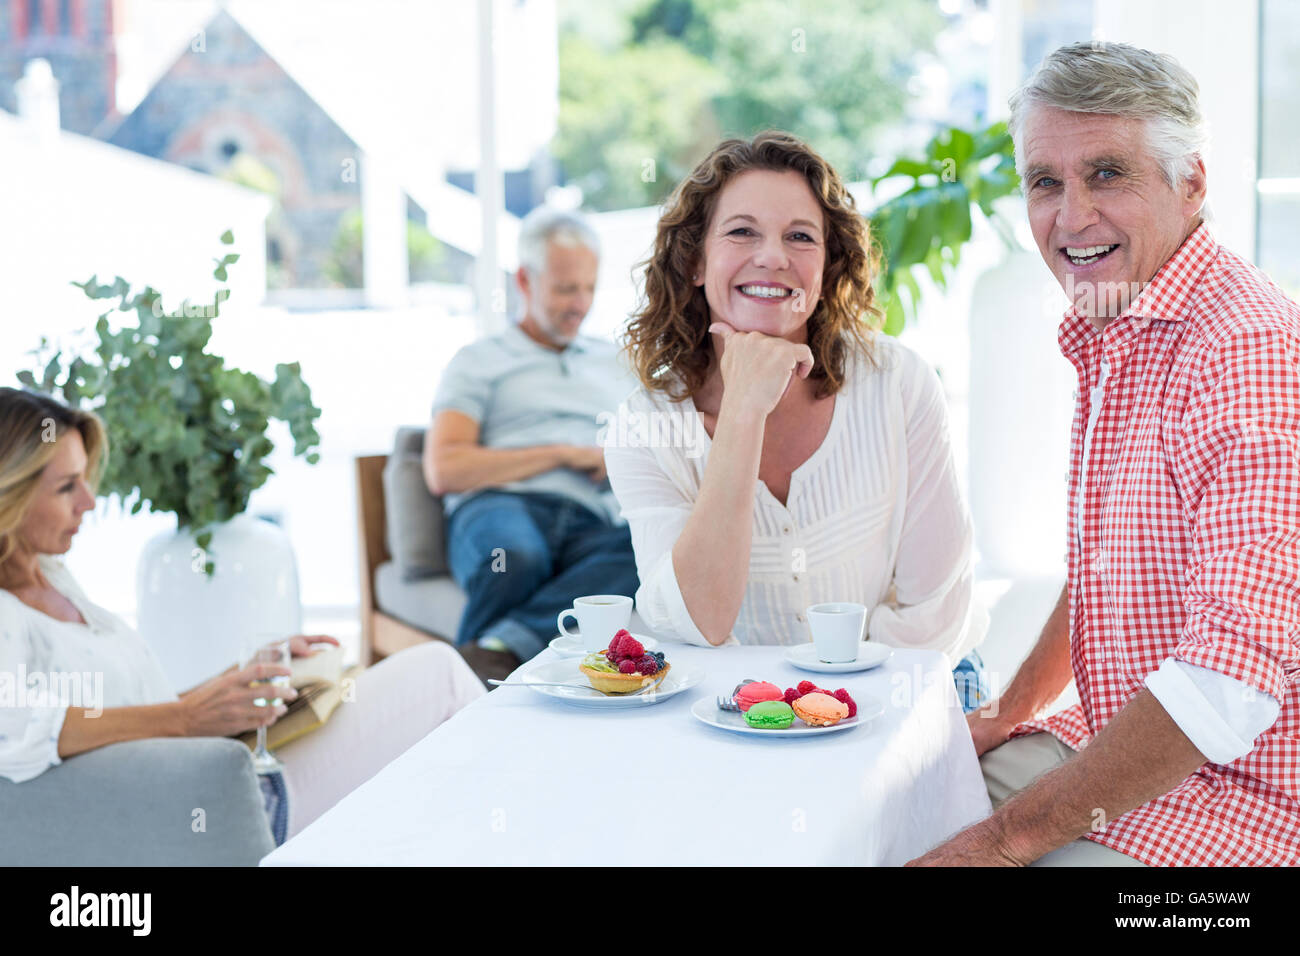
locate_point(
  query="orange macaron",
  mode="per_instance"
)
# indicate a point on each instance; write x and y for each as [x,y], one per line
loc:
[819,710]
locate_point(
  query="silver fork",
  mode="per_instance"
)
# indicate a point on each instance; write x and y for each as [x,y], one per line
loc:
[729,703]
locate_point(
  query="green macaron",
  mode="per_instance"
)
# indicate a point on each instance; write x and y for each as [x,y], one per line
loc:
[770,715]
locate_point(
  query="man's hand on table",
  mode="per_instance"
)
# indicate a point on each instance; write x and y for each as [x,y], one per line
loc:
[980,845]
[1140,755]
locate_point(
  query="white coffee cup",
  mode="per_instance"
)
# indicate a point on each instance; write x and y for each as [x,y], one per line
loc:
[837,630]
[600,617]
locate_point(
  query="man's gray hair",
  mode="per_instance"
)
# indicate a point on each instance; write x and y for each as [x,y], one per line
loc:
[545,225]
[1120,80]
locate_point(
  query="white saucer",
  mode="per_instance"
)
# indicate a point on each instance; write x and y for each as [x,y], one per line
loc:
[567,646]
[706,711]
[870,654]
[578,690]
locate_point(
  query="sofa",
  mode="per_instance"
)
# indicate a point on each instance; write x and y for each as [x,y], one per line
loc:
[192,801]
[407,592]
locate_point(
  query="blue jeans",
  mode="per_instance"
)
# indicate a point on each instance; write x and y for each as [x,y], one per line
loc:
[523,557]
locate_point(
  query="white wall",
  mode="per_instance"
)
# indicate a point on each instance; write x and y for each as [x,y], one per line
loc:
[73,207]
[1219,44]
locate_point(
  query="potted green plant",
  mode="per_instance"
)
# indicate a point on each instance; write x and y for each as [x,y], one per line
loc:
[188,436]
[926,226]
[1016,387]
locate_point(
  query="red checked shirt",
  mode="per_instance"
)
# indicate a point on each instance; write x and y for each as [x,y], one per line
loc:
[1187,541]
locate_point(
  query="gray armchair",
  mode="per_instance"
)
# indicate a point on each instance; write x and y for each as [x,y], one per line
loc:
[134,804]
[408,595]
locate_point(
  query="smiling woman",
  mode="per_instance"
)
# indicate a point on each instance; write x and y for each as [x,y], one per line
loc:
[832,300]
[828,474]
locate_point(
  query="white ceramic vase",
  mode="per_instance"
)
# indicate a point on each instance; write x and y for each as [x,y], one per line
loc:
[1020,414]
[197,624]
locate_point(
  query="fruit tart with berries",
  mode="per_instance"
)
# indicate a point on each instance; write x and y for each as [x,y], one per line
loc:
[624,666]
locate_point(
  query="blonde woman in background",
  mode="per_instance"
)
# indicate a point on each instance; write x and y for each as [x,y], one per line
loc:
[51,458]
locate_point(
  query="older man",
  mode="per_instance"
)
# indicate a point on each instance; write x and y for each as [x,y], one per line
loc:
[532,522]
[1180,622]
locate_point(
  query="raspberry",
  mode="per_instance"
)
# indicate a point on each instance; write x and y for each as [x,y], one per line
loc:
[647,665]
[611,656]
[616,645]
[627,667]
[791,695]
[632,648]
[806,687]
[843,697]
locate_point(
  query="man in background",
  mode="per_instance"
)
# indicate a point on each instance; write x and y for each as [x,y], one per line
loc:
[531,520]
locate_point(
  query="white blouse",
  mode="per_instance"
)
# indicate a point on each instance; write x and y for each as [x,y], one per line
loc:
[874,516]
[47,665]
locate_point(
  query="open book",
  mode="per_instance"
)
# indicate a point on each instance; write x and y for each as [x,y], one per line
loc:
[322,685]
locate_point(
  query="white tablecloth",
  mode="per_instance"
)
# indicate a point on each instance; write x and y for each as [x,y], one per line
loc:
[517,778]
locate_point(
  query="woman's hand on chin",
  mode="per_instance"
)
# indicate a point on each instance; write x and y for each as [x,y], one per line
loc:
[756,368]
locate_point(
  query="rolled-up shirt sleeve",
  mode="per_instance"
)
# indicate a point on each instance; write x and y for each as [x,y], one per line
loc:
[29,725]
[1238,463]
[656,510]
[1221,715]
[933,584]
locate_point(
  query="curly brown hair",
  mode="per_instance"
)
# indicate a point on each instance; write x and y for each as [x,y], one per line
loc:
[667,340]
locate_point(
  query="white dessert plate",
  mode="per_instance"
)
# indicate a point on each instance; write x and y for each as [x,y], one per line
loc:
[579,692]
[870,654]
[572,646]
[706,711]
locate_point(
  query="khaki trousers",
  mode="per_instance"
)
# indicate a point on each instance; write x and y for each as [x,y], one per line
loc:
[1018,763]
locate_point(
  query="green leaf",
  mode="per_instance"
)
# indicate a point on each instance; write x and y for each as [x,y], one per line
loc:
[993,139]
[951,144]
[52,370]
[28,379]
[955,224]
[894,319]
[934,262]
[921,211]
[227,237]
[906,167]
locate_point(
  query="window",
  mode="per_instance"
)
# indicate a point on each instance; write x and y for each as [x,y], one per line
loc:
[1049,24]
[1277,241]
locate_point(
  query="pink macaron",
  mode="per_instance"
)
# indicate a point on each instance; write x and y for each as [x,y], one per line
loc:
[755,693]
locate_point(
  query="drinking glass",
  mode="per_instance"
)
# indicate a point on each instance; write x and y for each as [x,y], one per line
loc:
[275,652]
